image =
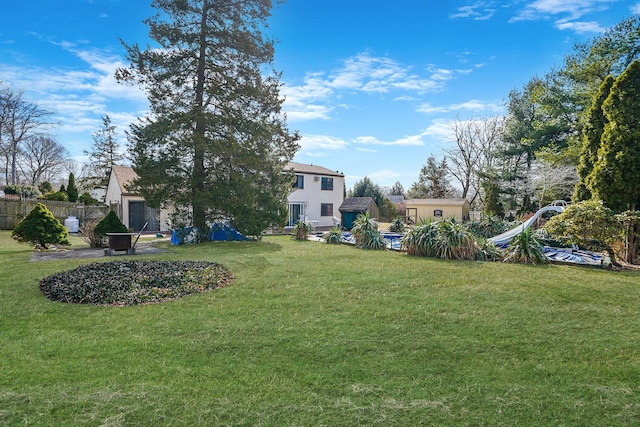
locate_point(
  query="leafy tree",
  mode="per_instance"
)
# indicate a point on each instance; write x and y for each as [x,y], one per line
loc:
[588,224]
[41,227]
[615,178]
[45,187]
[72,190]
[215,143]
[366,188]
[397,189]
[105,152]
[591,139]
[432,182]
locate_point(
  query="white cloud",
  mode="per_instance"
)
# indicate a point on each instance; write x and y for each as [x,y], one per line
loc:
[571,12]
[323,142]
[319,93]
[413,140]
[479,11]
[635,8]
[473,105]
[580,27]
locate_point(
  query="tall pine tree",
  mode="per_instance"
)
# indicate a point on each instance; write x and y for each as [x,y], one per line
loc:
[105,152]
[615,178]
[216,143]
[592,131]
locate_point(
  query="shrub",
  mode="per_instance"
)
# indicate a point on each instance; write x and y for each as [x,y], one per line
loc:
[24,191]
[40,227]
[397,225]
[525,249]
[88,199]
[58,196]
[301,230]
[87,230]
[109,224]
[333,236]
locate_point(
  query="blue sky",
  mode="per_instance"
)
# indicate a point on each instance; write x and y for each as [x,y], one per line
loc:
[372,86]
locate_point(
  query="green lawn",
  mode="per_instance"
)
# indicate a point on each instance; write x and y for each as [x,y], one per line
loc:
[310,334]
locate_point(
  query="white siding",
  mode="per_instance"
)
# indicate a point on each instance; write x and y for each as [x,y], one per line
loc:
[313,197]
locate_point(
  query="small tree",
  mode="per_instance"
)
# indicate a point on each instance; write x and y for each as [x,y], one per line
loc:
[588,224]
[109,224]
[72,189]
[40,227]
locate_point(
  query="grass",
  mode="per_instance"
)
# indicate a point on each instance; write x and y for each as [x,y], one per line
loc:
[316,334]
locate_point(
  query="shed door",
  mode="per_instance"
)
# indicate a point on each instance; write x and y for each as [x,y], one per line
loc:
[136,215]
[139,214]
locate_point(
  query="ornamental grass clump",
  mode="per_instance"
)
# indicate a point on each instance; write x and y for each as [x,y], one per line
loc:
[525,249]
[365,230]
[447,239]
[125,283]
[333,236]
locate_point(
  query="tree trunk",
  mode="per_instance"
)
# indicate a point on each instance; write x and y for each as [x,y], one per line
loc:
[199,172]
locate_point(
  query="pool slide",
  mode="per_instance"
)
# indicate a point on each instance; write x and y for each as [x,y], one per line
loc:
[504,238]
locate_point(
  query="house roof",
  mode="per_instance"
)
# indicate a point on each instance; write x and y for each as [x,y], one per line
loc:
[395,199]
[311,169]
[437,202]
[356,204]
[124,175]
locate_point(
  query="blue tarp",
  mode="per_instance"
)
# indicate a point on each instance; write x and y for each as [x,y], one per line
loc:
[224,232]
[217,232]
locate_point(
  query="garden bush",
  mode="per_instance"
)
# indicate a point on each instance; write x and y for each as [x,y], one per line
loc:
[124,283]
[109,224]
[40,227]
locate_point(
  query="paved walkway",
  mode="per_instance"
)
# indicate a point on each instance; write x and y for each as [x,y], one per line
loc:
[142,248]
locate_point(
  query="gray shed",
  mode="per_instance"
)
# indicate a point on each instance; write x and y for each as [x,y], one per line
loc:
[354,206]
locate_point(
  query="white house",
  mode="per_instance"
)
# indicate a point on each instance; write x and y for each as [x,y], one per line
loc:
[130,207]
[318,193]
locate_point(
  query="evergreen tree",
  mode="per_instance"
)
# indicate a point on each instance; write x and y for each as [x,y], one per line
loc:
[432,182]
[216,143]
[615,178]
[72,190]
[105,152]
[41,227]
[397,189]
[366,188]
[592,135]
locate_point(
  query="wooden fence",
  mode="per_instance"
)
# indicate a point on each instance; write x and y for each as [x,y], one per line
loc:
[12,211]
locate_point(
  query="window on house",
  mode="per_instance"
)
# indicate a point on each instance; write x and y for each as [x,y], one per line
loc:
[437,212]
[299,182]
[326,209]
[327,183]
